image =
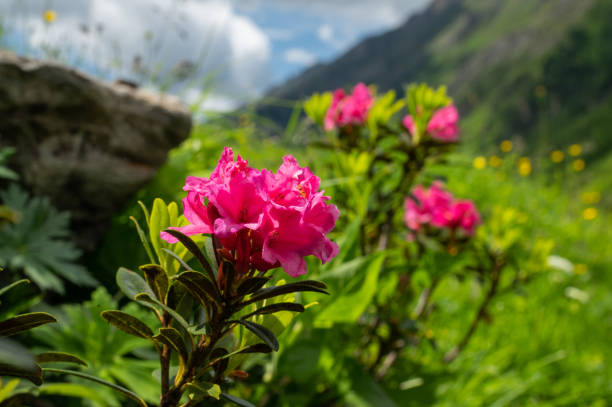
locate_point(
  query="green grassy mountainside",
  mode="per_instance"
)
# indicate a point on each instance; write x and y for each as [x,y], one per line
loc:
[534,71]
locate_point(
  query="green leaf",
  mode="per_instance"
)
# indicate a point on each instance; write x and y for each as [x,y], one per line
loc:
[7,389]
[256,348]
[25,322]
[209,251]
[50,357]
[194,249]
[317,106]
[355,298]
[251,285]
[86,376]
[143,239]
[79,391]
[177,258]
[201,390]
[157,279]
[364,390]
[262,332]
[148,299]
[16,361]
[201,288]
[13,285]
[127,323]
[131,284]
[237,400]
[14,371]
[269,292]
[8,174]
[173,338]
[158,221]
[145,211]
[279,306]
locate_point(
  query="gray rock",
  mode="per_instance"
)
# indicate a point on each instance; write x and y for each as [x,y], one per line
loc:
[87,145]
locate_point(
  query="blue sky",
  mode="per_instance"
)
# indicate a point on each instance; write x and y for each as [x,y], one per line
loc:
[245,45]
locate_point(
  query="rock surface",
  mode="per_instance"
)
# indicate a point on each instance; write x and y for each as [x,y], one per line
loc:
[87,145]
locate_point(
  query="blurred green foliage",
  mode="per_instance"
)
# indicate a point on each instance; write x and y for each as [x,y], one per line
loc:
[36,242]
[82,332]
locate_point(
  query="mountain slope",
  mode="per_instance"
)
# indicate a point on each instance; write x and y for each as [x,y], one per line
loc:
[515,68]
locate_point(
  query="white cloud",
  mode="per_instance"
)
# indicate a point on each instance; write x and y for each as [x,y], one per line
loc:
[300,57]
[128,37]
[325,33]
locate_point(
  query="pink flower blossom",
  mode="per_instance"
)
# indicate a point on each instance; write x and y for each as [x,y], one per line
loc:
[437,208]
[349,109]
[443,124]
[409,124]
[264,219]
[463,214]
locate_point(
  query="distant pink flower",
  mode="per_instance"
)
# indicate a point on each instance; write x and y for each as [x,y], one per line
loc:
[264,219]
[463,214]
[437,208]
[443,124]
[349,109]
[409,124]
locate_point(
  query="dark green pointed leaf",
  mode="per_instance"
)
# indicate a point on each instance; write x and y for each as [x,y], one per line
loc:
[24,322]
[262,332]
[86,376]
[201,390]
[195,250]
[13,371]
[157,279]
[143,239]
[13,285]
[178,258]
[237,400]
[131,283]
[50,357]
[173,338]
[127,323]
[209,252]
[201,288]
[279,306]
[251,285]
[257,348]
[153,302]
[269,292]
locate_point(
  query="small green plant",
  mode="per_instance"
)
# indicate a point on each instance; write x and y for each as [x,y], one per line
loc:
[36,242]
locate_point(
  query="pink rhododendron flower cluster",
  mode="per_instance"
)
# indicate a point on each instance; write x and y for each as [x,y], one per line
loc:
[442,126]
[263,219]
[437,208]
[349,109]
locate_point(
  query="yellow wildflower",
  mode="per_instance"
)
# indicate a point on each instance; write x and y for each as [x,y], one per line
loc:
[557,156]
[580,269]
[506,146]
[524,166]
[49,16]
[480,162]
[494,161]
[589,213]
[574,150]
[540,91]
[578,164]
